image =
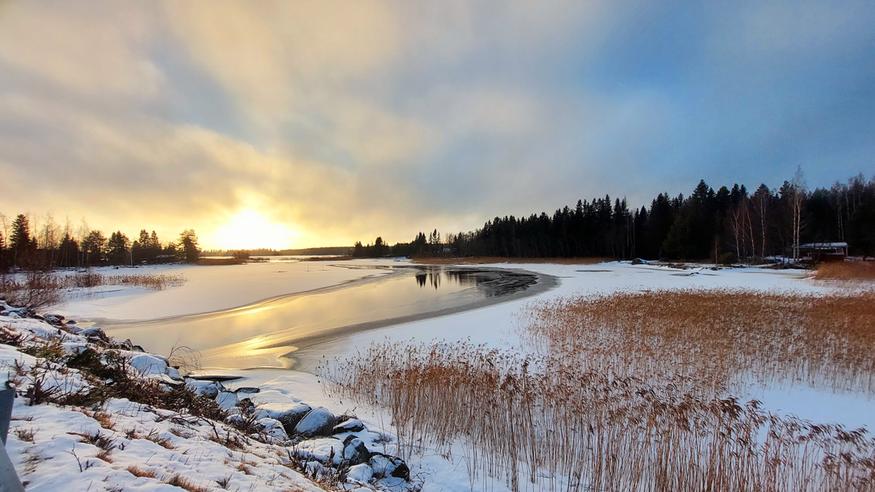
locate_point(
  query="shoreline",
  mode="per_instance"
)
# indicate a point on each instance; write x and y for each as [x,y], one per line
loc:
[504,285]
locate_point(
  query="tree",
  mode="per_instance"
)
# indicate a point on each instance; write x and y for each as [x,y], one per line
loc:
[117,249]
[4,261]
[93,248]
[797,199]
[68,252]
[358,250]
[188,243]
[21,243]
[379,247]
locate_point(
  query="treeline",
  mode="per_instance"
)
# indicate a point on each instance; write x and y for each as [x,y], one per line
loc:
[50,247]
[724,225]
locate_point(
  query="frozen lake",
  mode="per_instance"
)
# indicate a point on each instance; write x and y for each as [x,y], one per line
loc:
[278,332]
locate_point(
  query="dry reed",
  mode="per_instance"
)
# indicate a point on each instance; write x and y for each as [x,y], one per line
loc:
[627,394]
[846,270]
[718,340]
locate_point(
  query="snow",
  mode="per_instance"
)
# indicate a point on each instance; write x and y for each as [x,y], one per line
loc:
[213,288]
[123,445]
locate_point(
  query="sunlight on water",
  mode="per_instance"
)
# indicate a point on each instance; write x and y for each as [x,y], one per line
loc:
[261,334]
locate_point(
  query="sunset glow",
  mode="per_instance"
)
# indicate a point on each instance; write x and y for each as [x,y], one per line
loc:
[249,229]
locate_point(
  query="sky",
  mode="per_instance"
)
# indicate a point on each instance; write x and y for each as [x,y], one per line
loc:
[307,123]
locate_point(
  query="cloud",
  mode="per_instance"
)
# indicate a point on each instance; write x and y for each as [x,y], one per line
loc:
[351,119]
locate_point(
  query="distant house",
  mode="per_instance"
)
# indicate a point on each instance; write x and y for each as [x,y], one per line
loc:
[824,251]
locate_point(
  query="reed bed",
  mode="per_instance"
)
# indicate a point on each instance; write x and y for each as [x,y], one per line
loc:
[629,392]
[40,289]
[716,340]
[544,423]
[846,270]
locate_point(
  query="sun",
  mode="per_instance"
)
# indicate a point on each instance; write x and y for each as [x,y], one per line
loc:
[250,229]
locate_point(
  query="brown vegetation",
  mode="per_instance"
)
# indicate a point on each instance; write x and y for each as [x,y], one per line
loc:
[207,261]
[141,472]
[628,392]
[716,340]
[846,270]
[555,425]
[40,289]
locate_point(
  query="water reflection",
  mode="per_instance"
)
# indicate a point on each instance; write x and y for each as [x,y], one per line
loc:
[260,335]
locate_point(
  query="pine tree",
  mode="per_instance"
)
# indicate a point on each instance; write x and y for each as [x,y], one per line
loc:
[117,249]
[188,243]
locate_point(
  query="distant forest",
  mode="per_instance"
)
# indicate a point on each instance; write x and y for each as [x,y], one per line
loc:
[724,225]
[48,246]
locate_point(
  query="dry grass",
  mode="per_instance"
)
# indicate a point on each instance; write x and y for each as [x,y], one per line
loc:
[628,392]
[716,340]
[480,260]
[141,472]
[846,270]
[41,289]
[184,483]
[545,423]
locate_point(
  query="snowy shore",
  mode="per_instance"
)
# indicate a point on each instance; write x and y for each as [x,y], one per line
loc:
[94,413]
[214,288]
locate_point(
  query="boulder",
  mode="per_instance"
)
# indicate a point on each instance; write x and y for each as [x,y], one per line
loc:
[247,390]
[209,389]
[227,400]
[318,422]
[361,473]
[148,365]
[288,414]
[323,449]
[389,466]
[272,427]
[349,425]
[355,451]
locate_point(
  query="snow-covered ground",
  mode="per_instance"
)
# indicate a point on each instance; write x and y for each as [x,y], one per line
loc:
[215,288]
[76,427]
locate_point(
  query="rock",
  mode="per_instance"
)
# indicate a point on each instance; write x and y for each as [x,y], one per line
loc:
[272,427]
[317,422]
[350,425]
[389,466]
[247,390]
[173,373]
[355,451]
[246,405]
[54,319]
[323,449]
[288,414]
[148,365]
[209,389]
[94,332]
[227,400]
[361,473]
[638,261]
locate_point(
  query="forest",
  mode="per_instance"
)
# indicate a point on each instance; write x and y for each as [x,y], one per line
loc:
[728,224]
[49,246]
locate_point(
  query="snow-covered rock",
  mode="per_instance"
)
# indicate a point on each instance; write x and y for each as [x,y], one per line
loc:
[148,365]
[323,449]
[319,421]
[355,451]
[209,389]
[361,473]
[227,400]
[272,427]
[389,466]
[349,425]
